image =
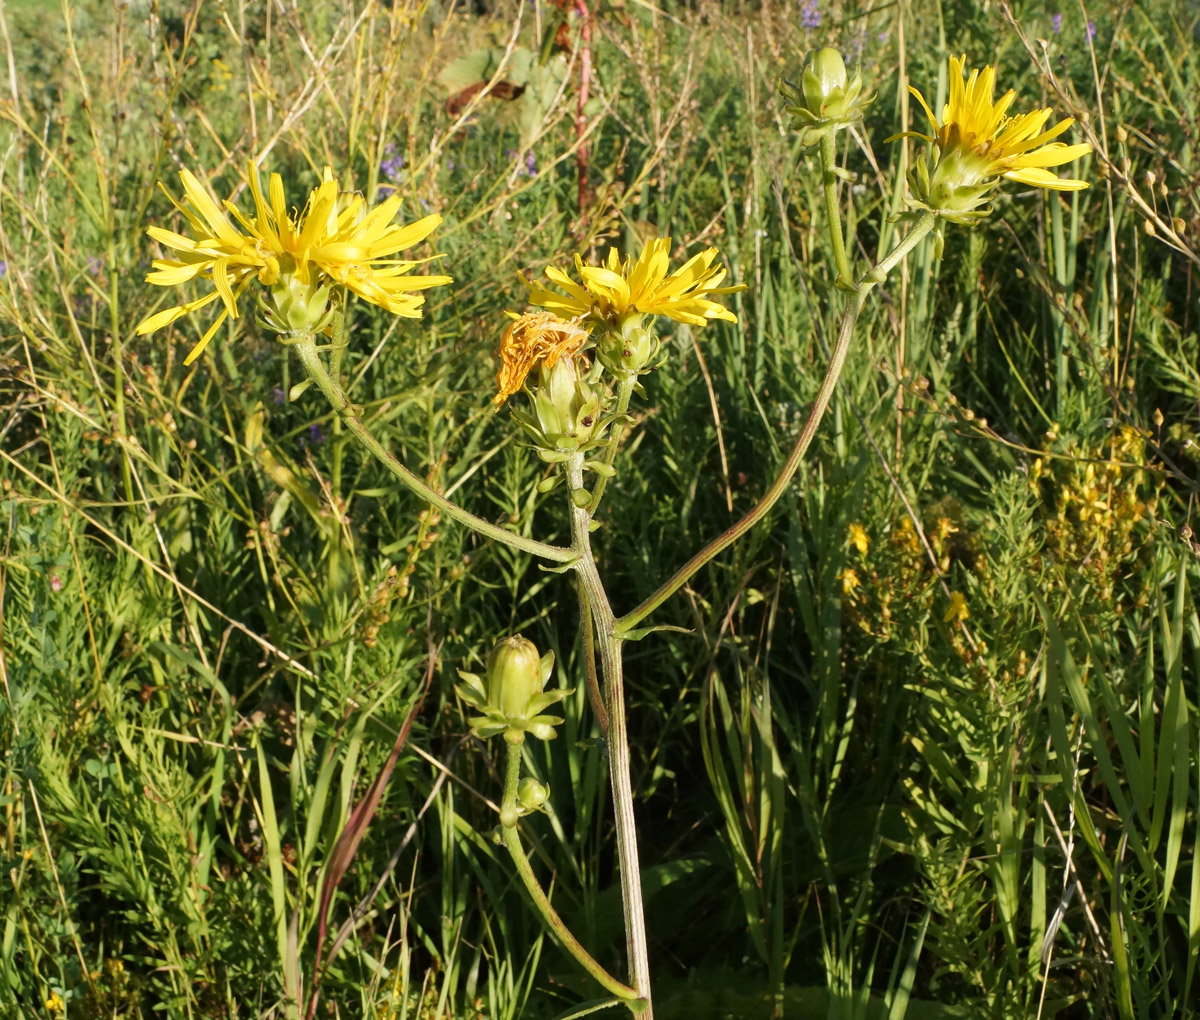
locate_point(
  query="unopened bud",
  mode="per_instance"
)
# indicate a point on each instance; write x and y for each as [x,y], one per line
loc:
[514,676]
[827,98]
[824,79]
[531,794]
[631,348]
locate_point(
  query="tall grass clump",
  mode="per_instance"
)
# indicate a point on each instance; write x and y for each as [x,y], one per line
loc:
[793,470]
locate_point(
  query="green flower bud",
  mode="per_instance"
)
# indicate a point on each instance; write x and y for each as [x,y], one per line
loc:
[514,676]
[632,348]
[824,80]
[531,794]
[511,697]
[827,98]
[566,407]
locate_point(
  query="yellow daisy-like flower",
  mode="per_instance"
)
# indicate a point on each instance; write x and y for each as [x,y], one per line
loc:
[610,292]
[536,338]
[333,241]
[992,143]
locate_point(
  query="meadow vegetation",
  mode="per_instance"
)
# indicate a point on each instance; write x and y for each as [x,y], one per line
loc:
[926,743]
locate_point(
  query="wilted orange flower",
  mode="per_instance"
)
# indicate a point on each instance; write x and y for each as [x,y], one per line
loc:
[535,338]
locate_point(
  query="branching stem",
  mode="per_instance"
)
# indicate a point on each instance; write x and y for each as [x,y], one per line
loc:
[854,306]
[306,347]
[512,840]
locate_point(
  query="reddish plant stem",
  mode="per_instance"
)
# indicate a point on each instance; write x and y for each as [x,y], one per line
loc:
[585,81]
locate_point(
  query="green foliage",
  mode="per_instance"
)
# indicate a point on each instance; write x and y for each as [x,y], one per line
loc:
[946,764]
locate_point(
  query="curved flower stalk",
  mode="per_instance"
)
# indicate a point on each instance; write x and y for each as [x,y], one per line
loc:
[298,258]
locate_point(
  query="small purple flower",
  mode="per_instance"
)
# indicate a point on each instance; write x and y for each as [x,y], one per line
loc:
[392,165]
[810,15]
[451,165]
[386,191]
[94,265]
[1056,24]
[530,167]
[3,269]
[1091,30]
[278,395]
[315,437]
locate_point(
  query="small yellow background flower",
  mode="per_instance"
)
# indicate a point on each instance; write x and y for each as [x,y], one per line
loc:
[958,611]
[859,538]
[333,240]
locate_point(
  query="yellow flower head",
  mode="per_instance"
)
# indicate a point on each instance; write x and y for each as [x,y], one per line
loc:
[859,538]
[957,610]
[533,339]
[989,142]
[613,291]
[54,1003]
[333,241]
[850,581]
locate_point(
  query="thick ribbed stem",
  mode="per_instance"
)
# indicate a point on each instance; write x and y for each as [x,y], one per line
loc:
[618,739]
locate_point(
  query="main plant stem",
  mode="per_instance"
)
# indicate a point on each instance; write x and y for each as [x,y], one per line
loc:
[833,219]
[618,739]
[854,306]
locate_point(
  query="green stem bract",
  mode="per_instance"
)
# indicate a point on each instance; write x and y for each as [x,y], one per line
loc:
[307,349]
[512,840]
[854,305]
[833,218]
[624,392]
[618,740]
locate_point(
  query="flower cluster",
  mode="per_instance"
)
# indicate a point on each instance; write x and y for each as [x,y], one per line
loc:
[610,308]
[1101,508]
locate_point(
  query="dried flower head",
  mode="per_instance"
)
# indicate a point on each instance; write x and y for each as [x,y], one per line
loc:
[533,339]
